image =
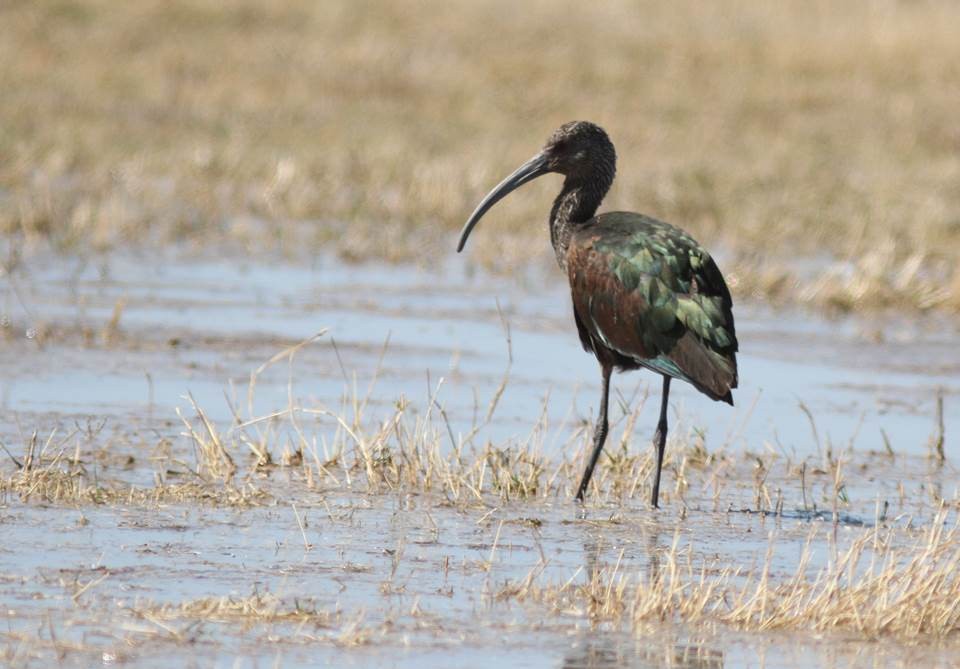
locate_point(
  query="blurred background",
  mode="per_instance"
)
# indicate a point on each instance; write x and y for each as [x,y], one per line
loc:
[814,146]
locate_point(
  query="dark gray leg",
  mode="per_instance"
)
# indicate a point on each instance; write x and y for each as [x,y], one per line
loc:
[599,435]
[661,441]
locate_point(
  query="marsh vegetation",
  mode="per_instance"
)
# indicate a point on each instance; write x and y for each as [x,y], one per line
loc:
[815,146]
[227,489]
[252,415]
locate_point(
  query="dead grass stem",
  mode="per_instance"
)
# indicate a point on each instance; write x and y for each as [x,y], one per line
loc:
[873,589]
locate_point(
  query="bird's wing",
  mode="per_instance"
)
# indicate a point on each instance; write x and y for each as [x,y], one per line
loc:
[649,292]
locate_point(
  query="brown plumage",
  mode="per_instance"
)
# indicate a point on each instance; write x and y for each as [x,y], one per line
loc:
[607,315]
[645,293]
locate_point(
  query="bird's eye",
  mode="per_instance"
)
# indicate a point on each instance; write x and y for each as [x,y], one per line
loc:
[560,146]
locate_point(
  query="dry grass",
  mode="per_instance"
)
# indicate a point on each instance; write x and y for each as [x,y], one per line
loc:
[405,453]
[874,588]
[775,132]
[265,608]
[140,624]
[412,449]
[310,623]
[883,580]
[52,484]
[59,471]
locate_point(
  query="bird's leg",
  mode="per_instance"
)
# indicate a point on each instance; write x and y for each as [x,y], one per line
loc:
[661,441]
[599,434]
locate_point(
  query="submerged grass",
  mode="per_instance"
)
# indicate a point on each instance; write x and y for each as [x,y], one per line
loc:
[413,449]
[874,588]
[884,579]
[322,468]
[263,608]
[56,482]
[816,145]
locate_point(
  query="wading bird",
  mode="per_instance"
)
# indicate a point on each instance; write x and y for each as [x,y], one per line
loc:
[645,293]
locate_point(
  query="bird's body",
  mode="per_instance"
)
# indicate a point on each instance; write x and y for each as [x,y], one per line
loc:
[645,293]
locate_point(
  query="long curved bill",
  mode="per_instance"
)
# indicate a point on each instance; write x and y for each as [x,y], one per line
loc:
[526,173]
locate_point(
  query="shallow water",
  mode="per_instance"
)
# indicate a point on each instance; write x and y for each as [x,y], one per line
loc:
[420,596]
[199,326]
[415,576]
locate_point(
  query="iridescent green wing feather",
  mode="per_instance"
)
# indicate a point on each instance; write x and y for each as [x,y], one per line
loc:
[648,291]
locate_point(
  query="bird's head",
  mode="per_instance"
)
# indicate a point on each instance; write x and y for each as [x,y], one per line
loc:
[579,150]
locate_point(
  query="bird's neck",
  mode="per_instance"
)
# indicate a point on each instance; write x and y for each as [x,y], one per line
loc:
[575,205]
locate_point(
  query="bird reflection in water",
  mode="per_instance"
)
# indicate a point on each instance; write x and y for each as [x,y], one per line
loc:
[613,651]
[605,648]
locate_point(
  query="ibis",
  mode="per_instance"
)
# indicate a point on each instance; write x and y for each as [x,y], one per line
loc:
[645,293]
